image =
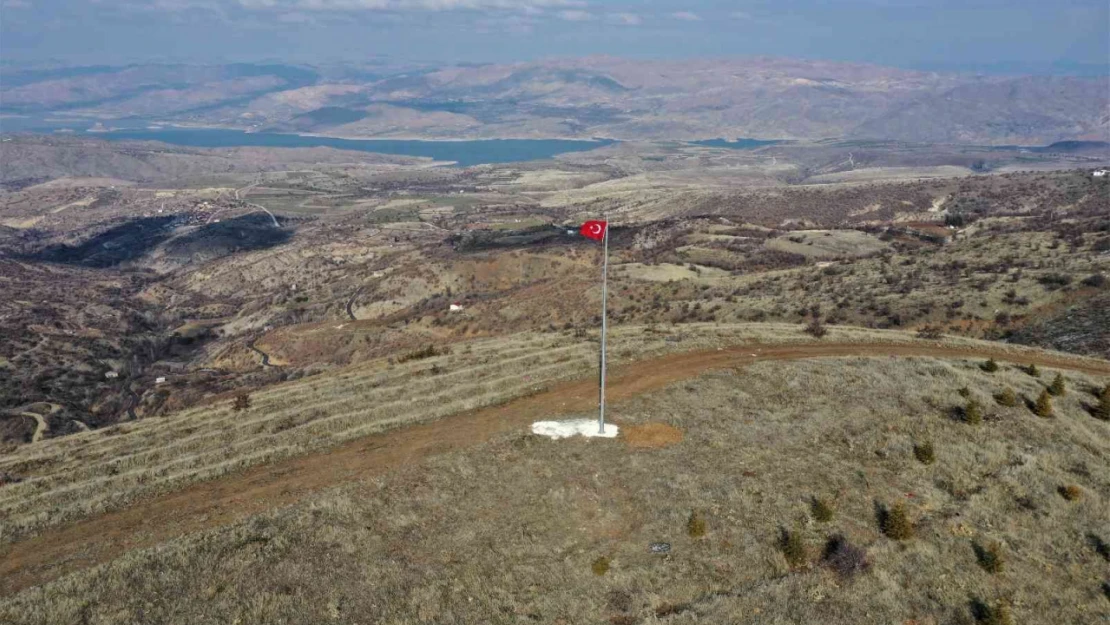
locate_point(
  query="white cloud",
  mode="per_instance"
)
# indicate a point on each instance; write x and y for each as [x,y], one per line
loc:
[686,16]
[628,19]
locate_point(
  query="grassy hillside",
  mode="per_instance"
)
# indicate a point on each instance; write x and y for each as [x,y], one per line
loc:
[522,529]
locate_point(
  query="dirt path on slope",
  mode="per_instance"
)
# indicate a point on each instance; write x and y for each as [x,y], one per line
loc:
[99,539]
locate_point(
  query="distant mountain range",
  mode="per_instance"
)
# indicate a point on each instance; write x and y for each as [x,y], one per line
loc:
[764,98]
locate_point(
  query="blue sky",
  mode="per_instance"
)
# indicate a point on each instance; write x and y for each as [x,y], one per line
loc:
[982,35]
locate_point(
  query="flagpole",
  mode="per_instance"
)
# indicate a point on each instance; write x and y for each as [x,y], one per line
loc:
[604,326]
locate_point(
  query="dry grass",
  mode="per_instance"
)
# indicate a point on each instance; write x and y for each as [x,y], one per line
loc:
[87,473]
[509,531]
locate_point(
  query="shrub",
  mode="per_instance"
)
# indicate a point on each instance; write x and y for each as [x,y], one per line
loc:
[420,354]
[925,453]
[990,366]
[793,548]
[695,525]
[929,332]
[973,412]
[242,402]
[845,558]
[1102,408]
[1071,492]
[895,523]
[1033,371]
[822,509]
[989,557]
[816,329]
[600,566]
[1043,405]
[1094,280]
[987,615]
[1006,398]
[1057,387]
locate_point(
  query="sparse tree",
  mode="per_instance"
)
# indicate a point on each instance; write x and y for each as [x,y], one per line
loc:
[925,453]
[242,402]
[973,412]
[1006,398]
[990,557]
[1043,405]
[793,548]
[1102,408]
[896,523]
[822,509]
[695,525]
[1057,388]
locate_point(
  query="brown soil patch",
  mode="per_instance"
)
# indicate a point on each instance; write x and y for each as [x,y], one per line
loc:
[99,539]
[651,435]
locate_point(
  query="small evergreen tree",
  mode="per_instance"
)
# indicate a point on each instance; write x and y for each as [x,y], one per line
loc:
[1043,405]
[973,412]
[990,557]
[896,523]
[695,525]
[1102,408]
[1033,371]
[793,549]
[990,366]
[925,453]
[1057,387]
[822,509]
[1006,398]
[242,402]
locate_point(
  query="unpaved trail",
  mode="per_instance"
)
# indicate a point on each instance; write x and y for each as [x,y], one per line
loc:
[41,426]
[100,539]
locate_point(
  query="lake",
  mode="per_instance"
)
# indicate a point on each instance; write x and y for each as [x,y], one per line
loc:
[464,153]
[739,144]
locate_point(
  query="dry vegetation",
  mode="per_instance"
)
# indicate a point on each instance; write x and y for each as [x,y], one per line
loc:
[526,528]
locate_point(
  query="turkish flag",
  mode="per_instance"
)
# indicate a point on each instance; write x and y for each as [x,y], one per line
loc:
[594,229]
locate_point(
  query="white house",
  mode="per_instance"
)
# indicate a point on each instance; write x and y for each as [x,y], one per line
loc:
[111,375]
[159,380]
[1099,173]
[456,307]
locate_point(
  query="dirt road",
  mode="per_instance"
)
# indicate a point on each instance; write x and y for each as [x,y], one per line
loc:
[100,539]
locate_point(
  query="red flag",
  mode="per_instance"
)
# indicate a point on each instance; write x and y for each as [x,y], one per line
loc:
[594,229]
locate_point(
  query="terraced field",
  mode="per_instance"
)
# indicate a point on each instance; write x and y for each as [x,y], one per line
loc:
[94,472]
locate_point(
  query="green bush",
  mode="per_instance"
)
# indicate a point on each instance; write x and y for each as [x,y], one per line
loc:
[990,366]
[895,523]
[793,549]
[990,557]
[1102,408]
[1033,371]
[973,412]
[1043,406]
[925,453]
[822,509]
[695,525]
[1006,398]
[600,566]
[999,614]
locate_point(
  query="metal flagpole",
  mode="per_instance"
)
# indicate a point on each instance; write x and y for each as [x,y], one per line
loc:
[604,325]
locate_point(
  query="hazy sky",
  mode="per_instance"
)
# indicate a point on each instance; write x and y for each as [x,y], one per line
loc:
[1001,35]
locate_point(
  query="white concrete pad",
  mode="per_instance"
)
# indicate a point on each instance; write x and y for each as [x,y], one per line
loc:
[574,427]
